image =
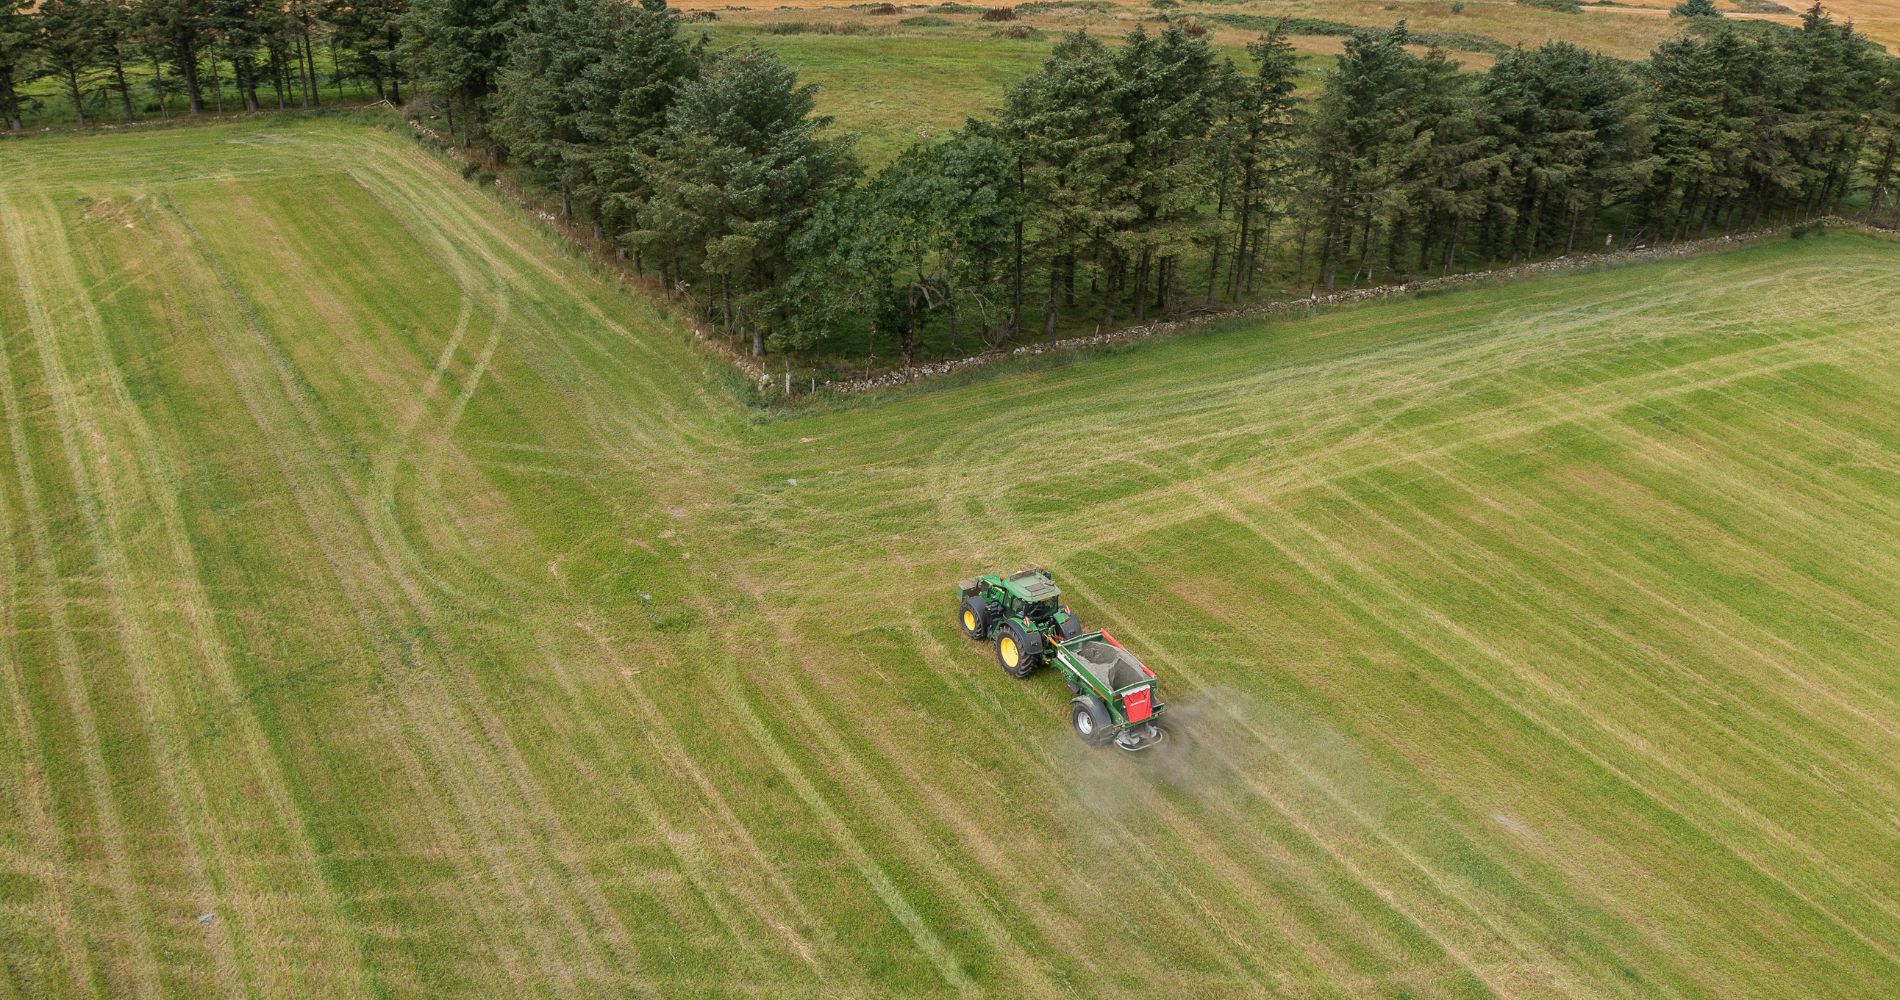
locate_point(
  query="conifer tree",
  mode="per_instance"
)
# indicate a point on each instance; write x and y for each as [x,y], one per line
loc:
[1069,139]
[1263,115]
[739,168]
[69,46]
[18,37]
[455,49]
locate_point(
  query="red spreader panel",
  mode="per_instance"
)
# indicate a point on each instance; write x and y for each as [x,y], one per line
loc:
[1137,706]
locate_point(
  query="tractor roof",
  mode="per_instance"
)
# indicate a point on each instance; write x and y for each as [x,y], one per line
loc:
[1033,586]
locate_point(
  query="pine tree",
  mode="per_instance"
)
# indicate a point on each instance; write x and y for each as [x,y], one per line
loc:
[1367,139]
[1570,126]
[739,168]
[1884,137]
[455,49]
[549,105]
[69,46]
[116,28]
[18,37]
[1069,140]
[1167,94]
[650,62]
[1263,114]
[1695,8]
[369,37]
[179,32]
[239,26]
[921,238]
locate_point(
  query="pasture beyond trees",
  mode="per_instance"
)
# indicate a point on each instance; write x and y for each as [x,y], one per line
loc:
[391,606]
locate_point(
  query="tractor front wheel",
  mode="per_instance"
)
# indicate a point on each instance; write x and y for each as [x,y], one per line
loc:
[1090,718]
[1013,651]
[974,617]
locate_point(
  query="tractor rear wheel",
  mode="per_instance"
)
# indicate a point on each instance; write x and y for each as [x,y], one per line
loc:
[1014,651]
[974,617]
[1090,718]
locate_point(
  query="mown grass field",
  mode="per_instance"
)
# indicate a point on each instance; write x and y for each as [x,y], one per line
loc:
[389,606]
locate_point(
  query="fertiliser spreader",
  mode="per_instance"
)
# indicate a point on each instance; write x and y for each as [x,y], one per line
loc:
[1116,697]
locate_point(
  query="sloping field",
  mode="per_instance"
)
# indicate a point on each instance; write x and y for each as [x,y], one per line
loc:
[390,607]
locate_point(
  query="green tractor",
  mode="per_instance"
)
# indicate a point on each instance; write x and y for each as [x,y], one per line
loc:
[1116,697]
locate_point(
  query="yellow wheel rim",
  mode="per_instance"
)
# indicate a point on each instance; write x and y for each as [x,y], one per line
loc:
[1010,654]
[969,620]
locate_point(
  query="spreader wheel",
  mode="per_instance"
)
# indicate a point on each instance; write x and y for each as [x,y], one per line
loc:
[1016,652]
[1090,718]
[974,617]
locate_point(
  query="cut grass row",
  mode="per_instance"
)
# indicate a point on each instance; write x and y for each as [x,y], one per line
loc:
[388,586]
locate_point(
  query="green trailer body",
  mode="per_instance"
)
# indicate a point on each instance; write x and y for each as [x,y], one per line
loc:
[1116,697]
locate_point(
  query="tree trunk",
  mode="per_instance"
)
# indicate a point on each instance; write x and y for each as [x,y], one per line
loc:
[125,90]
[950,291]
[337,77]
[10,103]
[1141,284]
[194,92]
[1049,307]
[72,89]
[395,72]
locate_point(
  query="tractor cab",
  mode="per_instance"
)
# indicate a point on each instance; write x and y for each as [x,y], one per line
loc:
[1022,613]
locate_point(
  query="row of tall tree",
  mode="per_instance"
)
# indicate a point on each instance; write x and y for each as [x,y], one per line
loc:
[1116,181]
[140,57]
[1122,180]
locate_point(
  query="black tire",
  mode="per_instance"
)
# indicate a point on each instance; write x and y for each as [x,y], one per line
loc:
[974,618]
[1090,718]
[1018,652]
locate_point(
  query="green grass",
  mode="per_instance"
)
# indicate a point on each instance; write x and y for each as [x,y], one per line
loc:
[894,90]
[382,582]
[912,83]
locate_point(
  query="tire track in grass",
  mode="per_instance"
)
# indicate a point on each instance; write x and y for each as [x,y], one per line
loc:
[1212,849]
[1766,829]
[490,762]
[34,803]
[139,965]
[370,606]
[158,483]
[1549,906]
[429,210]
[666,746]
[499,747]
[878,804]
[1136,515]
[839,833]
[1624,638]
[299,249]
[1462,956]
[1425,613]
[1724,633]
[1643,444]
[689,854]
